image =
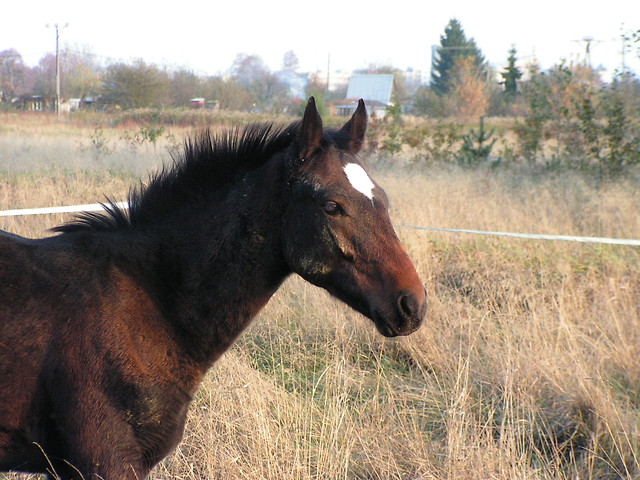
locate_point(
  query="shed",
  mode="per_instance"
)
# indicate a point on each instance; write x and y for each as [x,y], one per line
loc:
[198,103]
[36,103]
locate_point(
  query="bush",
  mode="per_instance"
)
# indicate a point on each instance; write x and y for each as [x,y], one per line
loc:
[579,122]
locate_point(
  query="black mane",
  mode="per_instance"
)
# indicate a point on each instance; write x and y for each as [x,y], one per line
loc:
[207,163]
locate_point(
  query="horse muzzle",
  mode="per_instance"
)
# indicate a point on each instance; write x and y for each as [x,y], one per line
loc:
[405,315]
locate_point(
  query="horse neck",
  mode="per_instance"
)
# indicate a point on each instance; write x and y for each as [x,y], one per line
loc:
[217,264]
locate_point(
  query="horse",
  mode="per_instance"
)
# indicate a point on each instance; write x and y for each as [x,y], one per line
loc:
[108,326]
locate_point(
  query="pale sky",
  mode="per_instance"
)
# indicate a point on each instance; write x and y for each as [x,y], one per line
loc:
[205,36]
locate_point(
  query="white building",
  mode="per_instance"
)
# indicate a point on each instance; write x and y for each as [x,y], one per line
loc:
[374,89]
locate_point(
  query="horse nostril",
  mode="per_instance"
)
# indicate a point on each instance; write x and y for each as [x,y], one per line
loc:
[412,307]
[408,305]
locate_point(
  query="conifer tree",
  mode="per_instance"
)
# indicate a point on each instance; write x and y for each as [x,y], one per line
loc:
[511,75]
[453,44]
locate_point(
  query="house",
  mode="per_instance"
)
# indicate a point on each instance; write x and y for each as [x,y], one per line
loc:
[374,89]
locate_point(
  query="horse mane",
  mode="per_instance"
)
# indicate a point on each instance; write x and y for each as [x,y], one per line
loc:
[207,163]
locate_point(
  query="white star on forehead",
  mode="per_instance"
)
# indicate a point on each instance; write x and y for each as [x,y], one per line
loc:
[359,179]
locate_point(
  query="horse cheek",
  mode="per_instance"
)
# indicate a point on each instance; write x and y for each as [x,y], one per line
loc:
[309,263]
[306,252]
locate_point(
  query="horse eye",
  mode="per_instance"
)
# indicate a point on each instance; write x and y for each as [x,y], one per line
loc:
[332,208]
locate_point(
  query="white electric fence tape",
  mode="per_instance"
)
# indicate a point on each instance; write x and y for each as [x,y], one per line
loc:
[89,207]
[534,236]
[96,207]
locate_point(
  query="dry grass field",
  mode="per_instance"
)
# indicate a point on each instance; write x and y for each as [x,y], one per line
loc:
[527,367]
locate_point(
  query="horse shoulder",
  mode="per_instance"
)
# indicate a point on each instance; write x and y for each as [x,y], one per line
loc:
[145,379]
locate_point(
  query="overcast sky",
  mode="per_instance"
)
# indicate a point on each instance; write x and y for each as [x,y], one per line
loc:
[205,36]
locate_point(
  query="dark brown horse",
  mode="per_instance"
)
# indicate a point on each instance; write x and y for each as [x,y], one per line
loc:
[107,329]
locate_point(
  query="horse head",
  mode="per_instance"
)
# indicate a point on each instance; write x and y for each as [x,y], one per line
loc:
[337,232]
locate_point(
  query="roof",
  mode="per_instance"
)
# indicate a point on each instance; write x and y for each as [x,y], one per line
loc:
[352,103]
[375,87]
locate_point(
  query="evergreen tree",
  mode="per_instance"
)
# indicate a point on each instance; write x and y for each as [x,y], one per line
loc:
[453,45]
[511,75]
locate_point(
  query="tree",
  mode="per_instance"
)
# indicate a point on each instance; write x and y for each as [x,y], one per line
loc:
[317,88]
[229,94]
[555,100]
[135,86]
[80,73]
[423,101]
[246,69]
[45,76]
[13,75]
[511,74]
[632,37]
[254,76]
[476,146]
[290,62]
[469,91]
[453,45]
[184,85]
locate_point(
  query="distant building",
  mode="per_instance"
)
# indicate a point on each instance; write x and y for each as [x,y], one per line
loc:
[35,103]
[201,103]
[334,80]
[198,103]
[415,78]
[75,104]
[374,89]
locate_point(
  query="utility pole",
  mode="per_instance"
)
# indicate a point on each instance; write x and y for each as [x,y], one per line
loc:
[587,49]
[328,70]
[58,31]
[624,38]
[622,52]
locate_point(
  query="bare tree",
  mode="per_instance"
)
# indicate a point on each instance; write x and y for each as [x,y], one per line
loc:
[264,87]
[14,75]
[290,62]
[81,74]
[45,76]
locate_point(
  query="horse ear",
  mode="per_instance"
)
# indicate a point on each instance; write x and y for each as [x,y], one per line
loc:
[310,131]
[356,127]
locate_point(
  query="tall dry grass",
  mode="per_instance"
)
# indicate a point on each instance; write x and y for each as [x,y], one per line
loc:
[527,367]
